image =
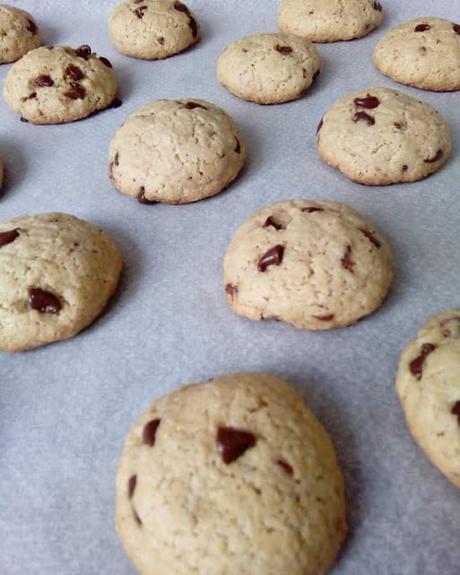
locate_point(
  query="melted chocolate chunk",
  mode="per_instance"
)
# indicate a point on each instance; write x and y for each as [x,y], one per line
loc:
[76,92]
[363,116]
[8,237]
[347,262]
[31,26]
[132,486]
[193,105]
[232,443]
[116,159]
[436,158]
[377,6]
[422,28]
[140,11]
[25,120]
[329,317]
[320,125]
[368,102]
[370,236]
[315,75]
[286,467]
[398,125]
[237,146]
[44,81]
[44,301]
[312,209]
[106,62]
[74,73]
[143,200]
[116,103]
[271,222]
[231,290]
[273,257]
[83,52]
[416,365]
[457,29]
[456,410]
[150,431]
[284,50]
[404,167]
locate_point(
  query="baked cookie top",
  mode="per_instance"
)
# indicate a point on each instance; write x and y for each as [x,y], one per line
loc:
[153,29]
[424,53]
[56,274]
[176,151]
[269,68]
[57,84]
[329,20]
[19,33]
[379,136]
[428,385]
[315,265]
[235,476]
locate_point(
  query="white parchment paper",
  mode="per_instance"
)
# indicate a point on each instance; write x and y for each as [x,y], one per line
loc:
[65,408]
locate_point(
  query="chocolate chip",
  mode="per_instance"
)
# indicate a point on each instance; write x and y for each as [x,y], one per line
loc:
[315,75]
[143,200]
[44,301]
[457,29]
[232,443]
[31,26]
[312,209]
[140,11]
[286,467]
[368,102]
[363,116]
[83,52]
[132,486]
[370,236]
[271,222]
[437,157]
[76,92]
[22,119]
[329,317]
[74,73]
[346,260]
[44,81]
[416,365]
[161,40]
[284,50]
[398,125]
[377,6]
[404,167]
[8,237]
[116,159]
[106,62]
[422,28]
[149,432]
[231,290]
[116,103]
[181,7]
[238,146]
[193,105]
[273,257]
[31,96]
[137,518]
[456,410]
[320,125]
[192,22]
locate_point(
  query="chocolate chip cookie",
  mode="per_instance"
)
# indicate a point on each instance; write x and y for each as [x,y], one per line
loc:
[424,53]
[176,152]
[153,29]
[269,68]
[235,476]
[19,33]
[57,84]
[329,20]
[315,265]
[57,273]
[379,136]
[428,385]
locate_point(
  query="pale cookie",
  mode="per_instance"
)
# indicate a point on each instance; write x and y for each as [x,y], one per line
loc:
[378,137]
[56,275]
[329,20]
[232,477]
[424,53]
[19,33]
[176,152]
[58,84]
[428,385]
[315,265]
[269,68]
[153,29]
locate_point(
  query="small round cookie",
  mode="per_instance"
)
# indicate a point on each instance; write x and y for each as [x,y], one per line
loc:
[378,137]
[176,152]
[428,385]
[269,68]
[329,20]
[153,29]
[315,265]
[56,275]
[58,84]
[234,476]
[424,53]
[19,33]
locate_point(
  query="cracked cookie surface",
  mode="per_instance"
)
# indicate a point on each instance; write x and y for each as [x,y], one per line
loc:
[176,152]
[315,265]
[424,53]
[380,136]
[428,385]
[329,20]
[269,68]
[153,29]
[19,33]
[57,84]
[57,273]
[234,476]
